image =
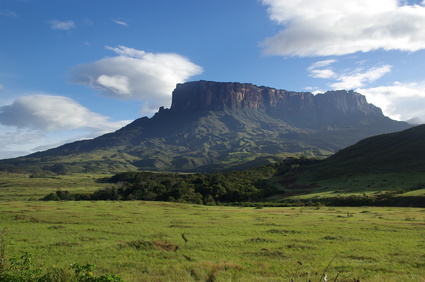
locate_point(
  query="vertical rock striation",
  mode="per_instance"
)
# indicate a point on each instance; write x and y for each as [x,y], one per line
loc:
[300,108]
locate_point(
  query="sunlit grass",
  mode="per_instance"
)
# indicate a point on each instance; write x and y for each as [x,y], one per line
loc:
[25,186]
[146,241]
[157,241]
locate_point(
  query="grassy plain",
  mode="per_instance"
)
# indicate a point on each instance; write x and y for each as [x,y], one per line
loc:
[24,186]
[157,241]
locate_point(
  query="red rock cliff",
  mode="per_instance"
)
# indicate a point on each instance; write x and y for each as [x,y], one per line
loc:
[209,95]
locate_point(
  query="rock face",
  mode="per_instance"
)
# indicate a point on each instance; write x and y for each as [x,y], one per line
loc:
[301,108]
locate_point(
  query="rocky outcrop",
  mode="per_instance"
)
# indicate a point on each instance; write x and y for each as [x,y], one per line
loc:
[297,107]
[209,95]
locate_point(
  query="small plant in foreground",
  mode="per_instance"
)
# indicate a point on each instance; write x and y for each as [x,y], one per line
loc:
[2,250]
[84,273]
[23,269]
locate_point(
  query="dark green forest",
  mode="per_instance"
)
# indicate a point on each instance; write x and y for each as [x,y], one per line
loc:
[251,185]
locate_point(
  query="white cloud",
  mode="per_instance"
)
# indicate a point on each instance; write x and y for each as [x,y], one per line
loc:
[128,52]
[47,113]
[120,22]
[62,25]
[137,75]
[324,73]
[40,122]
[317,72]
[335,27]
[321,64]
[360,77]
[347,79]
[402,101]
[1,86]
[14,142]
[117,83]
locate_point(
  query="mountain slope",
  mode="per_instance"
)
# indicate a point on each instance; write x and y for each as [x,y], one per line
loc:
[216,126]
[387,169]
[387,153]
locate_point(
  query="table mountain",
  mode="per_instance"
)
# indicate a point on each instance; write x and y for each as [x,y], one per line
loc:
[216,126]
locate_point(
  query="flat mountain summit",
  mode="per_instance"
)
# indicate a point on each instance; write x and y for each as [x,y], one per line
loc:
[299,108]
[213,126]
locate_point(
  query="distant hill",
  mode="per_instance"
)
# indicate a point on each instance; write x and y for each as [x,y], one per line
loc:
[219,126]
[386,170]
[399,152]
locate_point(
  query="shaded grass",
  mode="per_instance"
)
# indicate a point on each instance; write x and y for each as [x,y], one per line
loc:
[359,184]
[156,241]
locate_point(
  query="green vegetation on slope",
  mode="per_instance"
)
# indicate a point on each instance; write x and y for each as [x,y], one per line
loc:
[388,153]
[202,141]
[387,169]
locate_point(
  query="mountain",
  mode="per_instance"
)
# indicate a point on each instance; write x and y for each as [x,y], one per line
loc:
[217,126]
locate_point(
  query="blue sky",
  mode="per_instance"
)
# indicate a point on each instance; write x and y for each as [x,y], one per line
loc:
[76,69]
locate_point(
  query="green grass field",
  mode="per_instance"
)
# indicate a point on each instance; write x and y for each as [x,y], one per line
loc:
[16,186]
[158,241]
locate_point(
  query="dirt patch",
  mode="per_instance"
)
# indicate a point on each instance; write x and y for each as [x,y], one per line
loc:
[146,245]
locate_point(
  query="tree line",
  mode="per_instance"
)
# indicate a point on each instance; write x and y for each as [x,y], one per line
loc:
[249,185]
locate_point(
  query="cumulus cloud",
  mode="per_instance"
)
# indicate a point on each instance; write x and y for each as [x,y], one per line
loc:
[48,113]
[402,101]
[334,27]
[39,122]
[137,75]
[62,25]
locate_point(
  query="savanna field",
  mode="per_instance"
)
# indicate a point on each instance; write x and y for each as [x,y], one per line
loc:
[212,141]
[160,241]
